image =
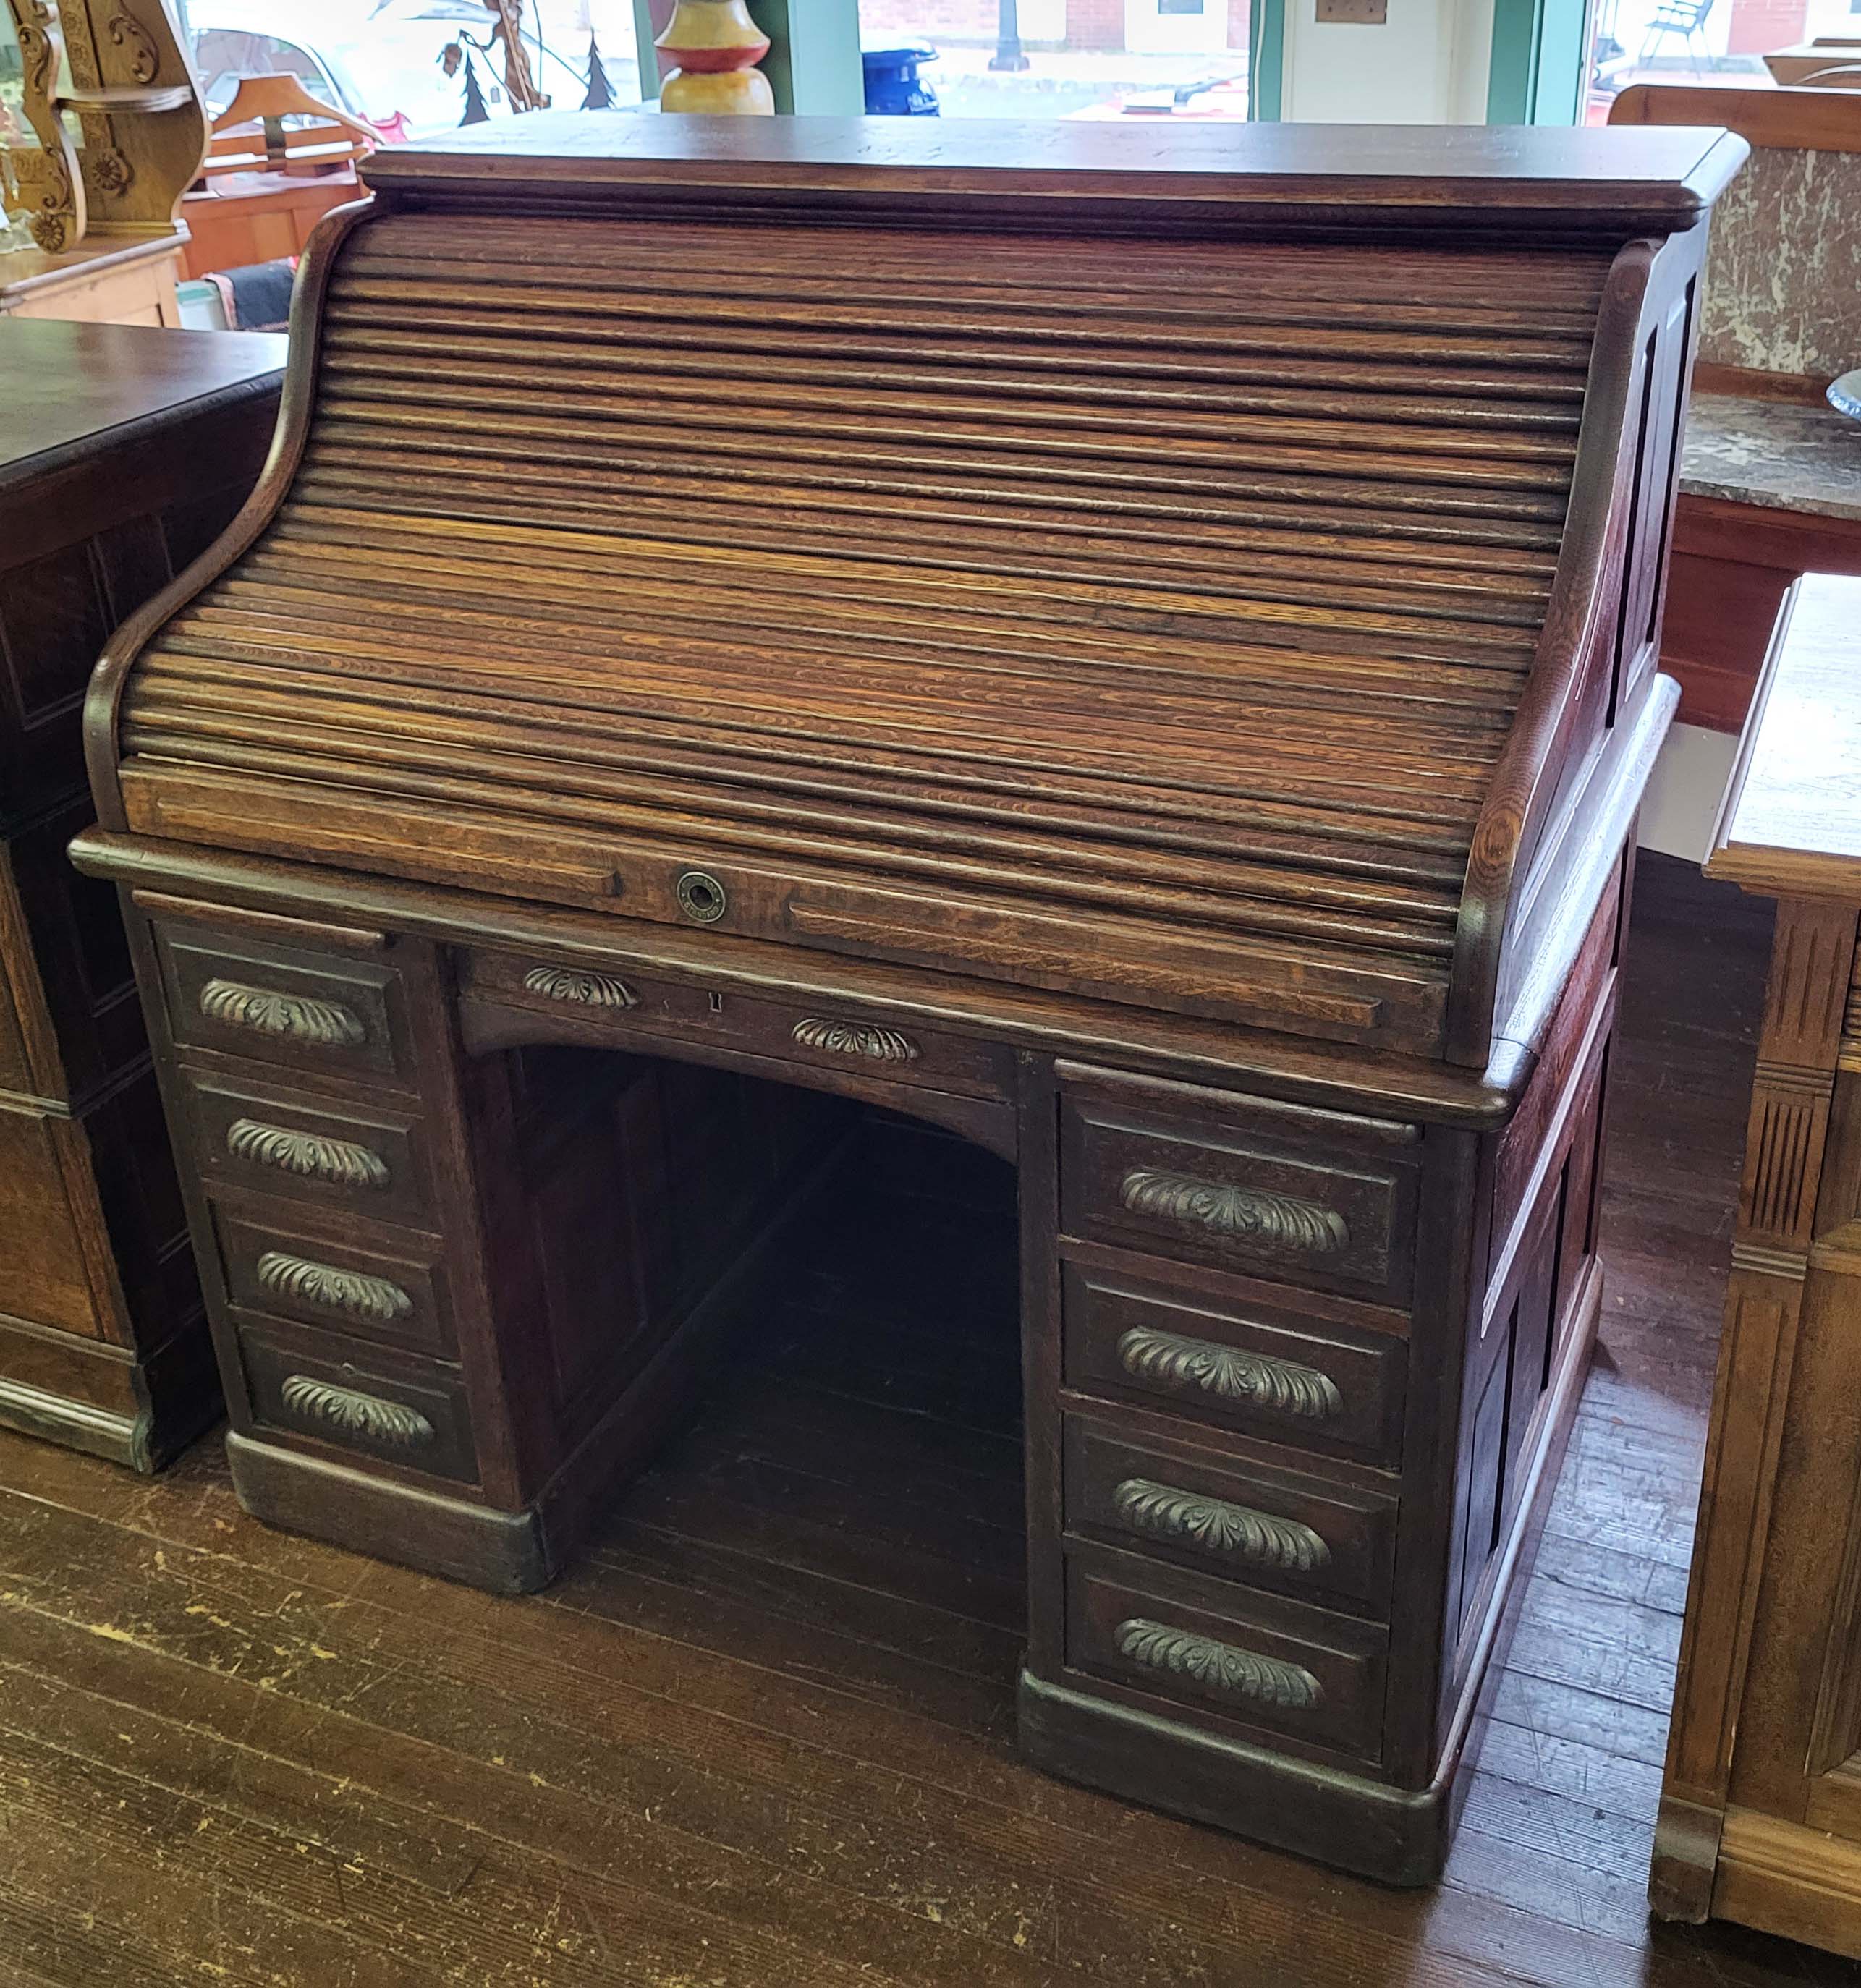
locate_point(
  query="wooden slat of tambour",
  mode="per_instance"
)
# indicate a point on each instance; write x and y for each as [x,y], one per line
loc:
[366,436]
[1210,858]
[1102,483]
[1142,814]
[1479,623]
[1303,777]
[1175,275]
[1390,780]
[377,462]
[474,292]
[1095,618]
[531,375]
[469,781]
[586,504]
[993,674]
[411,325]
[1186,742]
[1033,460]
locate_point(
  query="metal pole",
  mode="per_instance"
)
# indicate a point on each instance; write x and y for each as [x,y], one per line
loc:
[1008,53]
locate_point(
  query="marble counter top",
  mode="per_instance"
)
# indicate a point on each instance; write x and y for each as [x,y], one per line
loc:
[1783,455]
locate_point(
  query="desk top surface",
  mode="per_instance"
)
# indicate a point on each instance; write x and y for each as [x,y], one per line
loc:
[1792,819]
[65,387]
[1663,177]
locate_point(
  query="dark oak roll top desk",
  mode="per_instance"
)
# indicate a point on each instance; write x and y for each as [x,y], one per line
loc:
[1137,649]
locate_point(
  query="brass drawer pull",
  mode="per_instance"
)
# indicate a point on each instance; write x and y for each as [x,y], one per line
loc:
[1276,1225]
[1256,1378]
[854,1038]
[1188,1518]
[308,1155]
[292,1018]
[334,1289]
[576,984]
[355,1414]
[1218,1667]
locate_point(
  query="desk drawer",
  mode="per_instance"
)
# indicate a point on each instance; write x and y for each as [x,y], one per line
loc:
[386,1288]
[324,1151]
[875,1043]
[1261,1369]
[1269,1529]
[1222,1655]
[1304,1197]
[357,1397]
[296,1009]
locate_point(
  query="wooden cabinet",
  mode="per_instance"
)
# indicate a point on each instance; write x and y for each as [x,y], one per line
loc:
[127,451]
[1761,1814]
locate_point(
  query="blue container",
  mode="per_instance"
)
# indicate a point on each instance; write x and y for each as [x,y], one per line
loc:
[894,88]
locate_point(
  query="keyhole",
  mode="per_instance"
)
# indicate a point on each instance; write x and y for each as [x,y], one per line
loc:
[701,896]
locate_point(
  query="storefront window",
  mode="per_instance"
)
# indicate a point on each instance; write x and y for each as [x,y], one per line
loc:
[1700,41]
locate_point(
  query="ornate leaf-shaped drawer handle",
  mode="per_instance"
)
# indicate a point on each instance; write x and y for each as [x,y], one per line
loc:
[1276,1225]
[1187,1518]
[1218,1667]
[854,1038]
[1174,1361]
[334,1289]
[355,1413]
[293,1018]
[308,1155]
[576,984]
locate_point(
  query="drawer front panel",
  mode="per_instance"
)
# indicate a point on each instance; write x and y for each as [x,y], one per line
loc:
[890,1047]
[358,1398]
[364,1158]
[297,1010]
[337,1281]
[1218,1653]
[1270,1529]
[1240,1190]
[1258,1369]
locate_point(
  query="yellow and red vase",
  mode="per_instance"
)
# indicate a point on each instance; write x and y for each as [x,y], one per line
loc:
[718,46]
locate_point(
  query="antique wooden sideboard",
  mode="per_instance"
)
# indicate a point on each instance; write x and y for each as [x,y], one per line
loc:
[125,451]
[1761,1813]
[1138,648]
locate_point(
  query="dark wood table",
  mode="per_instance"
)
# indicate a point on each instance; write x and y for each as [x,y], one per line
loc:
[122,452]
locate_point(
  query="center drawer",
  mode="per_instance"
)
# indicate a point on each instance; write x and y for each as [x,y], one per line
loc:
[875,1043]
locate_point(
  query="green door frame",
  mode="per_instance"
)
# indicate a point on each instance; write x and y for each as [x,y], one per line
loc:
[1266,60]
[1536,75]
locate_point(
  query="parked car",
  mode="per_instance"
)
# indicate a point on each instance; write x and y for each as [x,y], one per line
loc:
[378,59]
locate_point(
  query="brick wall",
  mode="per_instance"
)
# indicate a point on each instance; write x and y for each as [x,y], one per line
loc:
[1759,24]
[898,22]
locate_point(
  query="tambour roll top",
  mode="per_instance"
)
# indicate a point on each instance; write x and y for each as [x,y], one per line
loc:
[1123,582]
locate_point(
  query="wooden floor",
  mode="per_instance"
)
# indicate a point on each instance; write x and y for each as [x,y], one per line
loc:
[764,1736]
